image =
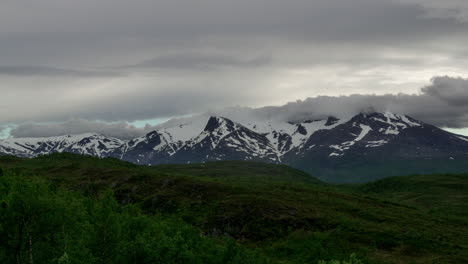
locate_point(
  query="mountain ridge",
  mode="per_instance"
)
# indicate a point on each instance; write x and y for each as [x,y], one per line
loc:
[320,147]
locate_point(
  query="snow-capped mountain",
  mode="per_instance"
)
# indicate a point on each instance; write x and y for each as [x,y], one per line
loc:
[86,144]
[363,131]
[224,139]
[329,148]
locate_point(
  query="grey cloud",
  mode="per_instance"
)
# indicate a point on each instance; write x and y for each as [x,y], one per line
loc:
[200,61]
[121,130]
[129,30]
[135,97]
[452,90]
[215,53]
[454,9]
[444,103]
[50,71]
[423,107]
[432,106]
[85,33]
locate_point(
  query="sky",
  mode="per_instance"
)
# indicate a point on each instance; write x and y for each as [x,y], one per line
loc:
[121,67]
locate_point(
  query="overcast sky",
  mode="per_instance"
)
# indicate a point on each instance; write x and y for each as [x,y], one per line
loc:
[91,64]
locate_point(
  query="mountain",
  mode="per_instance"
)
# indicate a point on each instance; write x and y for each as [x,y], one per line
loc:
[364,147]
[372,146]
[86,144]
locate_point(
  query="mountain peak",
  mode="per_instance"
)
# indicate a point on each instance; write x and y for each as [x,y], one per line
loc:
[152,134]
[388,118]
[216,122]
[331,120]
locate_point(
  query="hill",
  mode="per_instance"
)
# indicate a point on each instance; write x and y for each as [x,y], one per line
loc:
[443,194]
[278,212]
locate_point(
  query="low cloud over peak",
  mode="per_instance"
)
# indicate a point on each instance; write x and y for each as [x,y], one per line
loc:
[443,103]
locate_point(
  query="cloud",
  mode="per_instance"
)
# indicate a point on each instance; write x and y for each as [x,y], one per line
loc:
[121,130]
[50,71]
[451,90]
[199,61]
[63,59]
[443,103]
[455,9]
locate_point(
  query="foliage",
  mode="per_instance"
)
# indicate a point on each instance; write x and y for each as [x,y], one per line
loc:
[42,223]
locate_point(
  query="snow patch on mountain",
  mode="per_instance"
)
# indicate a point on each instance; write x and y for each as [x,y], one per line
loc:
[88,143]
[348,144]
[376,143]
[395,123]
[297,134]
[96,145]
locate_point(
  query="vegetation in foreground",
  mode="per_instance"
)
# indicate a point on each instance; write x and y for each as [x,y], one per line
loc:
[41,223]
[216,213]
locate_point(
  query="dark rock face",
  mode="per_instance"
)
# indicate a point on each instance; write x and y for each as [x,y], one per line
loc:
[301,130]
[364,147]
[331,121]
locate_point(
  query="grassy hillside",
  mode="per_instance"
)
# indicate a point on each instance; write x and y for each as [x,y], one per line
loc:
[444,194]
[361,170]
[281,213]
